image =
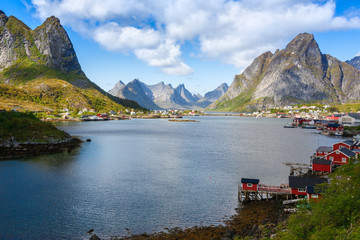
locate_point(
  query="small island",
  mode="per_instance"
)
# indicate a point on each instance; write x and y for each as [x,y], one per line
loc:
[182,120]
[23,135]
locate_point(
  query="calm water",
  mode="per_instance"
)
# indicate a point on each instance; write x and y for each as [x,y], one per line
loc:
[146,175]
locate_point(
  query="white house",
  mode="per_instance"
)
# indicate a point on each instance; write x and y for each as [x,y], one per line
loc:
[350,119]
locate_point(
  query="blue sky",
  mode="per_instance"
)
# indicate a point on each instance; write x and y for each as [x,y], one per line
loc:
[201,43]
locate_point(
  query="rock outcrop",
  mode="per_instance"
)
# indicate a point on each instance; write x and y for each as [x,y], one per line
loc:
[299,73]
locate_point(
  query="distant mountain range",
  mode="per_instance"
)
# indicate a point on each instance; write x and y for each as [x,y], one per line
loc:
[39,70]
[355,62]
[162,96]
[300,73]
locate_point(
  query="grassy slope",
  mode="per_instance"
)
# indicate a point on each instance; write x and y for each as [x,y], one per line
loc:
[34,86]
[24,127]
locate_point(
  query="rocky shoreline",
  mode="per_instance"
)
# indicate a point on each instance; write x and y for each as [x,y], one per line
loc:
[253,220]
[11,150]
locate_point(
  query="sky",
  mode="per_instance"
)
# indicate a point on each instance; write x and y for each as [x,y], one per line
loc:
[200,43]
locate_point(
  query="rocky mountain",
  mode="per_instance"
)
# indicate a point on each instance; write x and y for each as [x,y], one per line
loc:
[42,62]
[297,74]
[162,96]
[217,93]
[355,62]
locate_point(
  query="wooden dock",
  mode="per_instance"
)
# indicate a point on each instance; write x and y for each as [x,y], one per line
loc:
[264,192]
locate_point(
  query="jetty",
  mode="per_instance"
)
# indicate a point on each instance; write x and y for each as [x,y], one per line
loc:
[249,190]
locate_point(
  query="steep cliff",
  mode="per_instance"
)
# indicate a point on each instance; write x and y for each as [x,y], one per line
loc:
[299,73]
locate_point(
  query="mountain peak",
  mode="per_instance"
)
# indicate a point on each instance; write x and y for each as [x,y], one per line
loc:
[301,43]
[3,18]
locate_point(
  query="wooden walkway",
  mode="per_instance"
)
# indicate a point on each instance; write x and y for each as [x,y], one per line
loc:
[264,192]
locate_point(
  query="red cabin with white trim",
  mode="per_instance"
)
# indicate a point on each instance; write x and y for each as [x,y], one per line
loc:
[299,184]
[249,184]
[322,151]
[340,156]
[346,144]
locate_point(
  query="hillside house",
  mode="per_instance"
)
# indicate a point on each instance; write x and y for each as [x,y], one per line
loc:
[340,156]
[299,184]
[322,151]
[321,165]
[313,194]
[349,144]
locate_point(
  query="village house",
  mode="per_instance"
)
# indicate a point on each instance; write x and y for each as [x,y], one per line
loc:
[299,184]
[334,117]
[322,151]
[249,184]
[335,129]
[351,119]
[313,194]
[321,165]
[349,144]
[340,156]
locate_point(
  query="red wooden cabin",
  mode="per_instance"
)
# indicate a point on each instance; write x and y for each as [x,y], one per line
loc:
[347,144]
[340,156]
[299,184]
[250,184]
[312,194]
[322,151]
[321,165]
[334,127]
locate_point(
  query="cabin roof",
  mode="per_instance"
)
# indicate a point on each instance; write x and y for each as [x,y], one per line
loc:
[354,115]
[324,149]
[321,161]
[349,142]
[347,152]
[250,180]
[334,125]
[302,182]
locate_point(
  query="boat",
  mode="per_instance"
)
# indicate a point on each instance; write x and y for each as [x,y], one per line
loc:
[309,127]
[289,126]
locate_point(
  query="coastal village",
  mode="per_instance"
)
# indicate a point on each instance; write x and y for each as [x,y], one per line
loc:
[304,179]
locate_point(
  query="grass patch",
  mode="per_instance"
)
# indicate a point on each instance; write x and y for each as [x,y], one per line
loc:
[25,127]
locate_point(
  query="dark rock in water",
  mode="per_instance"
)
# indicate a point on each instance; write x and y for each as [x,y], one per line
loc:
[94,237]
[91,231]
[88,140]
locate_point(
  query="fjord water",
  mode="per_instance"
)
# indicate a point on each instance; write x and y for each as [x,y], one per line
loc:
[146,175]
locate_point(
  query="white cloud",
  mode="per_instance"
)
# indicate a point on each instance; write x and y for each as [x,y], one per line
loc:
[166,56]
[116,38]
[233,32]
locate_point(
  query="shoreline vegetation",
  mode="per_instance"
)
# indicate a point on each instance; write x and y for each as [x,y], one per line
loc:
[24,135]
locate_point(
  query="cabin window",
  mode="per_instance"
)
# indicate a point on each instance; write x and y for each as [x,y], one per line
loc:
[343,159]
[301,190]
[331,158]
[249,184]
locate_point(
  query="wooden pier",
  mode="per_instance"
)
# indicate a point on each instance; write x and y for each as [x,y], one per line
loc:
[262,192]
